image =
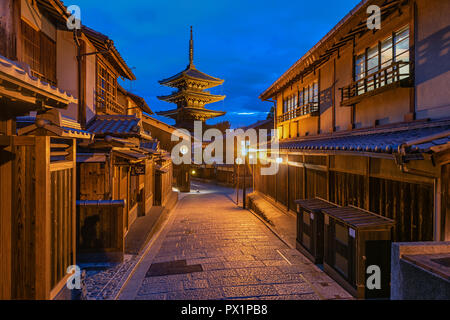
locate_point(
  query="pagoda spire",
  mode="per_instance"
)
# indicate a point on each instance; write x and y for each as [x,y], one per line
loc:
[191,96]
[191,50]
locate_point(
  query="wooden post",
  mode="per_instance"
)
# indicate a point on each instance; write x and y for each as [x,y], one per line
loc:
[43,219]
[367,184]
[5,222]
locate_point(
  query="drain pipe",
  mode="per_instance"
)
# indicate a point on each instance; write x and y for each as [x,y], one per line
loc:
[81,48]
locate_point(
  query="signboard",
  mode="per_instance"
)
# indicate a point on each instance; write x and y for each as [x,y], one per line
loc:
[138,170]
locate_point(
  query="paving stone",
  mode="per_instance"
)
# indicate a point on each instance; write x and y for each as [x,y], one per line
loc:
[195,284]
[274,263]
[159,296]
[239,256]
[293,288]
[232,281]
[197,294]
[249,291]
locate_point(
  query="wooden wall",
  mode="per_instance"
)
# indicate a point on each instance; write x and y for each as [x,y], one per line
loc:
[149,186]
[100,231]
[38,209]
[93,180]
[163,184]
[445,202]
[345,180]
[6,161]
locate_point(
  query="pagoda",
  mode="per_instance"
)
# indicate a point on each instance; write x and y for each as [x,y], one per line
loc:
[190,97]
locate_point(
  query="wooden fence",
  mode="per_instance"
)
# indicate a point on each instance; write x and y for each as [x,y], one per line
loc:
[163,183]
[37,179]
[344,181]
[100,232]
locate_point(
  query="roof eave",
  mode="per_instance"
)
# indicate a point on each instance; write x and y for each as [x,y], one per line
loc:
[275,87]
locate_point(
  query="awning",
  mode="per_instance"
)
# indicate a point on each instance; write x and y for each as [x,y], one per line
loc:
[410,138]
[91,157]
[115,125]
[53,123]
[161,169]
[131,155]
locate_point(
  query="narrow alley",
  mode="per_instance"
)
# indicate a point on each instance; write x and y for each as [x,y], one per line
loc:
[211,249]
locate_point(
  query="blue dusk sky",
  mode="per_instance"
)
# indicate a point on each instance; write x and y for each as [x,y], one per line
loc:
[247,43]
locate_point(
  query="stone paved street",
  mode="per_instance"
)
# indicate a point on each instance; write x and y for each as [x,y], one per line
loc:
[214,250]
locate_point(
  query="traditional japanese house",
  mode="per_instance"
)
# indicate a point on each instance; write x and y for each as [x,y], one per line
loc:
[163,133]
[115,177]
[363,119]
[37,155]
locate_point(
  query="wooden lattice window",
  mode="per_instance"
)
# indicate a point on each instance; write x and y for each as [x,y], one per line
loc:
[39,52]
[107,90]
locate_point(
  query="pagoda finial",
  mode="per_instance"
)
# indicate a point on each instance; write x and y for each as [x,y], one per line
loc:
[191,50]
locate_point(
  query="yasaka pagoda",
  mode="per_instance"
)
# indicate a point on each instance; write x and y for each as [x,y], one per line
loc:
[190,97]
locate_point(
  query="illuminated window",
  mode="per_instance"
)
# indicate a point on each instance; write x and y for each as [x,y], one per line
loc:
[375,67]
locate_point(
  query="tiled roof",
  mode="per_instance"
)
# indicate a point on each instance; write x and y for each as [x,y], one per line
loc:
[380,141]
[69,126]
[115,125]
[141,103]
[131,154]
[150,145]
[16,72]
[192,72]
[101,41]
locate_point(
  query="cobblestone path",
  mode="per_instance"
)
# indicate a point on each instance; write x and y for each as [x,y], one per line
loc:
[211,249]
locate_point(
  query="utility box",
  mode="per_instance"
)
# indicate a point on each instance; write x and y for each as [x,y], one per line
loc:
[310,227]
[357,251]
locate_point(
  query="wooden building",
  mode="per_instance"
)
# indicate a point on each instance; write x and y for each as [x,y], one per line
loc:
[113,166]
[53,154]
[363,119]
[163,133]
[37,159]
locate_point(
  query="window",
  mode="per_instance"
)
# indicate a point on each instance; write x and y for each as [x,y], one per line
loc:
[381,57]
[401,53]
[300,98]
[39,52]
[301,103]
[107,90]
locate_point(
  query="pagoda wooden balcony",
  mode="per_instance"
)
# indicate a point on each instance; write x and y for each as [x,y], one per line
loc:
[390,77]
[309,109]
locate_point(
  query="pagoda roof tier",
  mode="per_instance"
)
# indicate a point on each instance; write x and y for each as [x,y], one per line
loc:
[192,96]
[190,113]
[191,74]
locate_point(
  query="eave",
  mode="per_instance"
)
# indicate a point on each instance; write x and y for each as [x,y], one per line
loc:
[100,41]
[350,27]
[191,111]
[24,93]
[202,96]
[196,76]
